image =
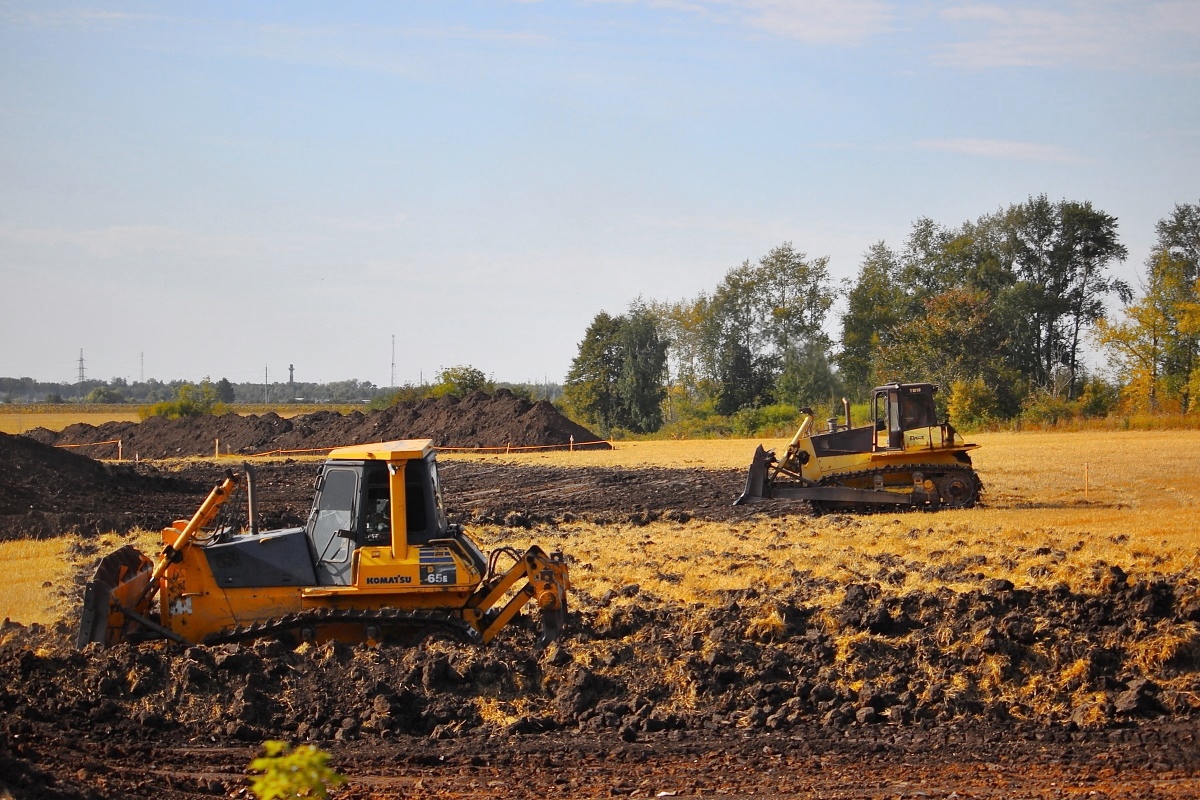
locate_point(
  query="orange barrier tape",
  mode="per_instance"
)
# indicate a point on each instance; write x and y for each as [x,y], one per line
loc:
[511,448]
[505,449]
[90,444]
[290,452]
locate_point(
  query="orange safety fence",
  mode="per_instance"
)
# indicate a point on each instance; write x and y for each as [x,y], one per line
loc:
[508,448]
[504,449]
[513,448]
[117,442]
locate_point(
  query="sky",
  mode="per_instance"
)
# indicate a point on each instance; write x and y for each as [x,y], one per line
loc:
[225,189]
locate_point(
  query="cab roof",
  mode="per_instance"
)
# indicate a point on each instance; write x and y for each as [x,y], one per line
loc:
[399,450]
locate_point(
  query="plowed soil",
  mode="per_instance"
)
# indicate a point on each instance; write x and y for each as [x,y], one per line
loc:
[643,697]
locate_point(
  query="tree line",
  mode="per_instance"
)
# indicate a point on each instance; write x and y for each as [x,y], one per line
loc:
[208,394]
[998,311]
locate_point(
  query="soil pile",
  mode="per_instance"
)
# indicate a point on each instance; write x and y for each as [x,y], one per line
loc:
[477,420]
[47,491]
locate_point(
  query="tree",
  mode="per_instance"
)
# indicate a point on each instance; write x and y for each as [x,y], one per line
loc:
[808,378]
[617,379]
[876,304]
[1060,253]
[591,387]
[460,381]
[757,316]
[1156,349]
[1136,346]
[643,361]
[103,394]
[225,392]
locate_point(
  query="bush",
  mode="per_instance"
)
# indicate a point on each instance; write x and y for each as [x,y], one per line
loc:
[1099,399]
[289,773]
[972,403]
[1044,409]
[190,401]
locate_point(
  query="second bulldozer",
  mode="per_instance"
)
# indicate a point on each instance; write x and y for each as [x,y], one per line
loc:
[902,457]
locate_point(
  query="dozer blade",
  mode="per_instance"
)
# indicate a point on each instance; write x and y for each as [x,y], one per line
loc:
[756,479]
[119,583]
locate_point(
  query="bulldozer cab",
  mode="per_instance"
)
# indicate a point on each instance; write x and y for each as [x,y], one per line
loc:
[903,407]
[378,499]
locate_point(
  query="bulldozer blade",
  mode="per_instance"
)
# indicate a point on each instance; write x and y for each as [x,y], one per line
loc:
[756,479]
[120,580]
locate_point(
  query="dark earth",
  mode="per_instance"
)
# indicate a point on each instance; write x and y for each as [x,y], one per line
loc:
[883,695]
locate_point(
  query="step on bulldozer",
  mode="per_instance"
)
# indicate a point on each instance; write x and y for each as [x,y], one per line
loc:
[376,562]
[903,458]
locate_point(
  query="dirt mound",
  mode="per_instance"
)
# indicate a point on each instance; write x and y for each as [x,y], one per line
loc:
[46,491]
[477,420]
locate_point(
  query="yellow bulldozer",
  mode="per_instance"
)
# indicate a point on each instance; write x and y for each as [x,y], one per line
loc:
[902,457]
[377,561]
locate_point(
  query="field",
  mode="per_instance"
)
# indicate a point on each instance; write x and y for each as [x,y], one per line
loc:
[1044,644]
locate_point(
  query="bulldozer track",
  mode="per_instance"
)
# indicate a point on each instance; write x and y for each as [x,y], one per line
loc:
[965,474]
[422,622]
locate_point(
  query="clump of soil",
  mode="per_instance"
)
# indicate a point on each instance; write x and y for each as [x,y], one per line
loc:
[477,420]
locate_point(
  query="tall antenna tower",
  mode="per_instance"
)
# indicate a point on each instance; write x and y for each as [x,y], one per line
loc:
[82,373]
[393,361]
[266,386]
[142,367]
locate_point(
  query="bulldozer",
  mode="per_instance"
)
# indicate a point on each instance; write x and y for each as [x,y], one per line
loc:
[903,457]
[377,562]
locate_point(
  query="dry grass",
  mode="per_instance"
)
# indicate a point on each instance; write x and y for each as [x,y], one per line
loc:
[32,564]
[18,419]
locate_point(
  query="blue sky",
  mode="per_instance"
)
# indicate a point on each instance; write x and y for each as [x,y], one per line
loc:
[222,188]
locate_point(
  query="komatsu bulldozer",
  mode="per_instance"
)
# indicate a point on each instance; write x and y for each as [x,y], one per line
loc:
[377,562]
[902,457]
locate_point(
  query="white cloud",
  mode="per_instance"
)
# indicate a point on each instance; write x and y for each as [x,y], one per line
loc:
[1092,33]
[820,21]
[1004,149]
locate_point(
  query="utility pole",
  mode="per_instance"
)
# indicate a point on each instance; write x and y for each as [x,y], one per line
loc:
[393,361]
[266,385]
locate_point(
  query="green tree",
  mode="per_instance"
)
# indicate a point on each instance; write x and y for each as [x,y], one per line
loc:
[875,305]
[591,388]
[643,361]
[1060,256]
[103,394]
[460,381]
[191,400]
[224,391]
[617,379]
[759,314]
[808,377]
